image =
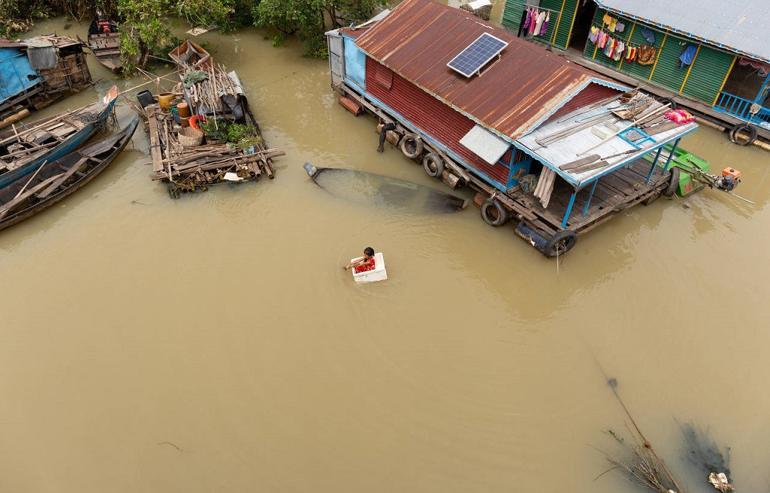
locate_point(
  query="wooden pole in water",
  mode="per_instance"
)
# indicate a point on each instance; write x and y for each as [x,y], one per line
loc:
[613,383]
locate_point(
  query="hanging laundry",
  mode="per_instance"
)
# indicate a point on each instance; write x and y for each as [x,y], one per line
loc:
[602,42]
[593,35]
[544,29]
[533,22]
[631,53]
[688,55]
[612,25]
[609,50]
[646,55]
[620,27]
[619,51]
[762,68]
[648,35]
[539,23]
[606,19]
[527,19]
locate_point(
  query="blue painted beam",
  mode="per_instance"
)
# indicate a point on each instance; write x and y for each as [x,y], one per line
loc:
[569,209]
[587,205]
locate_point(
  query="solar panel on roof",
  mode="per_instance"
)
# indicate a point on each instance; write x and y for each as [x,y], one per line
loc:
[477,54]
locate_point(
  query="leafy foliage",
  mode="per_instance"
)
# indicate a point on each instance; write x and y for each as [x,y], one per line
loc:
[208,12]
[143,31]
[308,19]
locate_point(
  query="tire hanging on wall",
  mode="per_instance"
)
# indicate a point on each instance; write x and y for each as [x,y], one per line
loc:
[493,213]
[673,183]
[433,165]
[738,130]
[412,146]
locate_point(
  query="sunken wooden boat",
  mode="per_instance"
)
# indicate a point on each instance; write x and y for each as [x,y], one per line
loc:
[23,151]
[371,189]
[56,180]
[104,41]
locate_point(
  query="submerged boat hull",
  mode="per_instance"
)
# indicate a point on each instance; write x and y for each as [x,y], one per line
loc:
[372,189]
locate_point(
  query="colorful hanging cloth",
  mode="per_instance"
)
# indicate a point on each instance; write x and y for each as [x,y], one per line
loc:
[539,23]
[648,35]
[544,29]
[688,55]
[593,35]
[646,55]
[528,18]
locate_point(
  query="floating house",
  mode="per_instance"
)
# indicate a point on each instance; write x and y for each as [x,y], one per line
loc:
[37,71]
[547,143]
[708,55]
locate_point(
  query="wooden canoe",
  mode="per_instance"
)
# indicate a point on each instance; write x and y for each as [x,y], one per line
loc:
[23,151]
[56,180]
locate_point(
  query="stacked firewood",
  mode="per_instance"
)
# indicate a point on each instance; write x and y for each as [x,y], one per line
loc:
[192,168]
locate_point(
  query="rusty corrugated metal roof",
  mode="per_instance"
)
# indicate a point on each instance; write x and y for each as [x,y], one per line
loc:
[511,95]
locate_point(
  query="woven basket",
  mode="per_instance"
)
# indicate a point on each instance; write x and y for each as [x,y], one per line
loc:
[190,137]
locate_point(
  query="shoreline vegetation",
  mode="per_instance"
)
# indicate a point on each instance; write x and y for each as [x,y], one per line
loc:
[144,24]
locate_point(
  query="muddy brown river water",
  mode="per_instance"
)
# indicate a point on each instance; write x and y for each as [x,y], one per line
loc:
[214,343]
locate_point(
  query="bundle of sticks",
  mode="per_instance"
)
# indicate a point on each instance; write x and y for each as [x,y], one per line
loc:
[212,82]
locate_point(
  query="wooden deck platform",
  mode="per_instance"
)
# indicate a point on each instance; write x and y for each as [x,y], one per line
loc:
[614,192]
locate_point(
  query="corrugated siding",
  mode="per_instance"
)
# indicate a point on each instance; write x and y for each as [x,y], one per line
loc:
[565,25]
[590,95]
[708,72]
[432,116]
[668,73]
[512,14]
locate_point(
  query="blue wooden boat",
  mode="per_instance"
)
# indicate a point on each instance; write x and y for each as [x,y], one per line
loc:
[23,152]
[56,180]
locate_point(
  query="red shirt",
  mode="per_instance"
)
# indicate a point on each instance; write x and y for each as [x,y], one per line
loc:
[366,266]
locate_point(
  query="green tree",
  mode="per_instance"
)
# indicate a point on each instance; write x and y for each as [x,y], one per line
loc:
[308,19]
[144,30]
[218,13]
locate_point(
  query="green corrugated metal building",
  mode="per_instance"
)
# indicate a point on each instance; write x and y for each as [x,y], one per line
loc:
[728,67]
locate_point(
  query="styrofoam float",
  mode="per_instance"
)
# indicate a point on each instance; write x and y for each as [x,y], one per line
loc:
[377,274]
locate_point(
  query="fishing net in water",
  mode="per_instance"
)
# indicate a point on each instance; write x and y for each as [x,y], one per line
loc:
[88,116]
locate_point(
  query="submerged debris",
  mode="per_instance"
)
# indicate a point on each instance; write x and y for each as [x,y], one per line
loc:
[704,453]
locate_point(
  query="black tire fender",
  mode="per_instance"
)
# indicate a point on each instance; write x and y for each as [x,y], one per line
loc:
[673,183]
[560,243]
[433,165]
[669,101]
[493,213]
[740,128]
[412,146]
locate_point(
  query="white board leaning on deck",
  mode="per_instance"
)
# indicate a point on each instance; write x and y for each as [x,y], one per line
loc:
[485,144]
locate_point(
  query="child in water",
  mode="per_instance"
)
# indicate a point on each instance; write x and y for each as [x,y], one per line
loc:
[363,264]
